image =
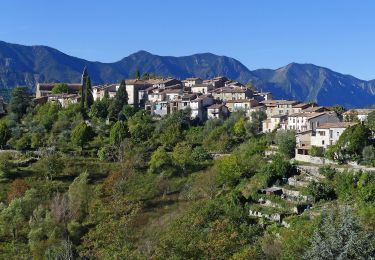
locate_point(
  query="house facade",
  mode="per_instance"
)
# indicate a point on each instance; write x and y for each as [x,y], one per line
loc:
[232,93]
[310,121]
[219,111]
[329,133]
[98,91]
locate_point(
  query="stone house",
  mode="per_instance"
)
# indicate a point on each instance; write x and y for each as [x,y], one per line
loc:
[232,93]
[274,122]
[45,89]
[133,87]
[329,133]
[279,107]
[164,83]
[219,111]
[202,88]
[189,82]
[262,96]
[99,91]
[310,121]
[246,105]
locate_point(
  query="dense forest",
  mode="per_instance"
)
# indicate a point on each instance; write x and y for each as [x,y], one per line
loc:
[103,180]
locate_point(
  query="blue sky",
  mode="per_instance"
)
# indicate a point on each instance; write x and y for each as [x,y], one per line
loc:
[338,34]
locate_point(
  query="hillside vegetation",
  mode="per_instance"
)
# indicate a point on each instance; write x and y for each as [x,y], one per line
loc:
[76,185]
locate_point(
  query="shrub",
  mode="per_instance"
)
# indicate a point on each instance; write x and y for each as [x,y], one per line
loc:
[321,191]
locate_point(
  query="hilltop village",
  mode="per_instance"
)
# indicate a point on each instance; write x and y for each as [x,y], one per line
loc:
[315,126]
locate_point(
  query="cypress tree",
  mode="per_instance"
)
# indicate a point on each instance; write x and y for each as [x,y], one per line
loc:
[120,100]
[89,100]
[137,74]
[106,94]
[82,99]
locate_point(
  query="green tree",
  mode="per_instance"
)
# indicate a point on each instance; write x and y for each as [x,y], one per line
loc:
[99,109]
[119,132]
[316,151]
[127,112]
[145,76]
[254,127]
[79,197]
[51,165]
[228,170]
[171,135]
[278,169]
[45,234]
[81,134]
[286,141]
[60,88]
[119,101]
[5,134]
[182,156]
[321,191]
[140,126]
[161,163]
[89,100]
[339,110]
[6,164]
[106,94]
[366,187]
[368,155]
[239,128]
[19,102]
[350,144]
[14,218]
[137,74]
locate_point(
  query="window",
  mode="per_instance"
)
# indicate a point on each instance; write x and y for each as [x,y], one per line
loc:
[323,142]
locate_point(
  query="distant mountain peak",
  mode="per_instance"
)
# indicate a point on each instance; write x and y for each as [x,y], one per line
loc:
[27,65]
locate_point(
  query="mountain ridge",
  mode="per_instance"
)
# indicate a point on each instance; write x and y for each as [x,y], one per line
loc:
[27,65]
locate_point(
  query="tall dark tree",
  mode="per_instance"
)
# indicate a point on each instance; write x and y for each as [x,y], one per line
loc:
[137,74]
[120,100]
[19,102]
[89,100]
[106,94]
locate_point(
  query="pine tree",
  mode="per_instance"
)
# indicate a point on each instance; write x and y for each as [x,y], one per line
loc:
[82,103]
[137,74]
[120,100]
[106,94]
[89,100]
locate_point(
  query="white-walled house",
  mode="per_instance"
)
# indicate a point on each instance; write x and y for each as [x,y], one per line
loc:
[173,93]
[246,105]
[232,93]
[164,83]
[133,86]
[279,107]
[99,91]
[329,133]
[310,121]
[189,82]
[202,88]
[217,111]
